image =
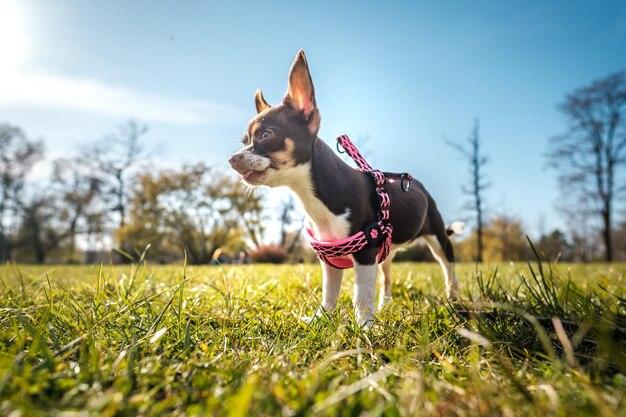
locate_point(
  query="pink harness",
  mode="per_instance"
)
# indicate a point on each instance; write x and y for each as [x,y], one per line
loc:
[337,253]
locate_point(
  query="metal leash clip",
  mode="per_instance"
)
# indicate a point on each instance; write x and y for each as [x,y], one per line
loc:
[405,182]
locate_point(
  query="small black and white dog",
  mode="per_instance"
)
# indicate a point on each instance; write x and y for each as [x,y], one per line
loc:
[281,148]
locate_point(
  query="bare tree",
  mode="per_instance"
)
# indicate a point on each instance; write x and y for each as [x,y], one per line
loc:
[590,156]
[38,234]
[578,214]
[620,242]
[115,158]
[287,210]
[18,154]
[472,154]
[53,216]
[77,189]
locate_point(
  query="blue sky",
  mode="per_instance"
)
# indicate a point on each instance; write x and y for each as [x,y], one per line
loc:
[403,75]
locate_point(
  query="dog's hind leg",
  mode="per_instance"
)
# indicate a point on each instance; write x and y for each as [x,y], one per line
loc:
[441,249]
[385,281]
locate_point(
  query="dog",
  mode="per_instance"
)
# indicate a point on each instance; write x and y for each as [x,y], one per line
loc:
[281,148]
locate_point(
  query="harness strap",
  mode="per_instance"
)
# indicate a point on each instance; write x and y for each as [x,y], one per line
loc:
[345,143]
[334,253]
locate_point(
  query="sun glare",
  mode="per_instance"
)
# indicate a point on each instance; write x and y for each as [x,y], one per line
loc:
[14,45]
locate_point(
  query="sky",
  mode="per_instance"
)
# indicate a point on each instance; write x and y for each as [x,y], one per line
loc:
[399,77]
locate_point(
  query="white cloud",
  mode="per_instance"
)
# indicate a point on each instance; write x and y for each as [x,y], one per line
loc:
[15,46]
[24,87]
[42,90]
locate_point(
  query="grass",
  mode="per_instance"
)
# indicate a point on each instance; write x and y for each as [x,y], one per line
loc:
[533,339]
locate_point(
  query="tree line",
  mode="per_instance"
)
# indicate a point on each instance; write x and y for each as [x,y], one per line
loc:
[108,195]
[589,159]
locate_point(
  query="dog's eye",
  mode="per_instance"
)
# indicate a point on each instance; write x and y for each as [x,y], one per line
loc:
[266,134]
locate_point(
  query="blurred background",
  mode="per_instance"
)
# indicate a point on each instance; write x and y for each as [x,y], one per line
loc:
[117,119]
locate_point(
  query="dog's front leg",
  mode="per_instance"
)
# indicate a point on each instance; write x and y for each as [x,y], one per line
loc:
[364,293]
[331,287]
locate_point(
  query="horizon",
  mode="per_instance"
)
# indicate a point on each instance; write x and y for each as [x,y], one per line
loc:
[399,78]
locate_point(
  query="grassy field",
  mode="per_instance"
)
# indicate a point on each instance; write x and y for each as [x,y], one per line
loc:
[532,340]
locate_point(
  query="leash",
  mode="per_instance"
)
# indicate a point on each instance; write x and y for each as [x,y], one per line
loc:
[335,253]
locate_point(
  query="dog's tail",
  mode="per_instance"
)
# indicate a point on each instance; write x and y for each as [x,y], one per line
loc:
[456,228]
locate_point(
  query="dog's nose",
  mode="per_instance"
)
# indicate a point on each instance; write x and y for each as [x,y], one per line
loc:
[234,159]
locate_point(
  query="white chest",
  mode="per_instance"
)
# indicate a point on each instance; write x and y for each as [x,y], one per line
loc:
[326,225]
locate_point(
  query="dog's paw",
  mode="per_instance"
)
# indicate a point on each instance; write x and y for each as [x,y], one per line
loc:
[365,319]
[383,301]
[452,294]
[366,324]
[309,319]
[452,289]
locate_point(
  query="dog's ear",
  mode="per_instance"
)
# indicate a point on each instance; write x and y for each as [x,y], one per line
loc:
[260,102]
[300,92]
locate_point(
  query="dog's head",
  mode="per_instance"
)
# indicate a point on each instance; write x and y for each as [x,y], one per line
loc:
[279,139]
